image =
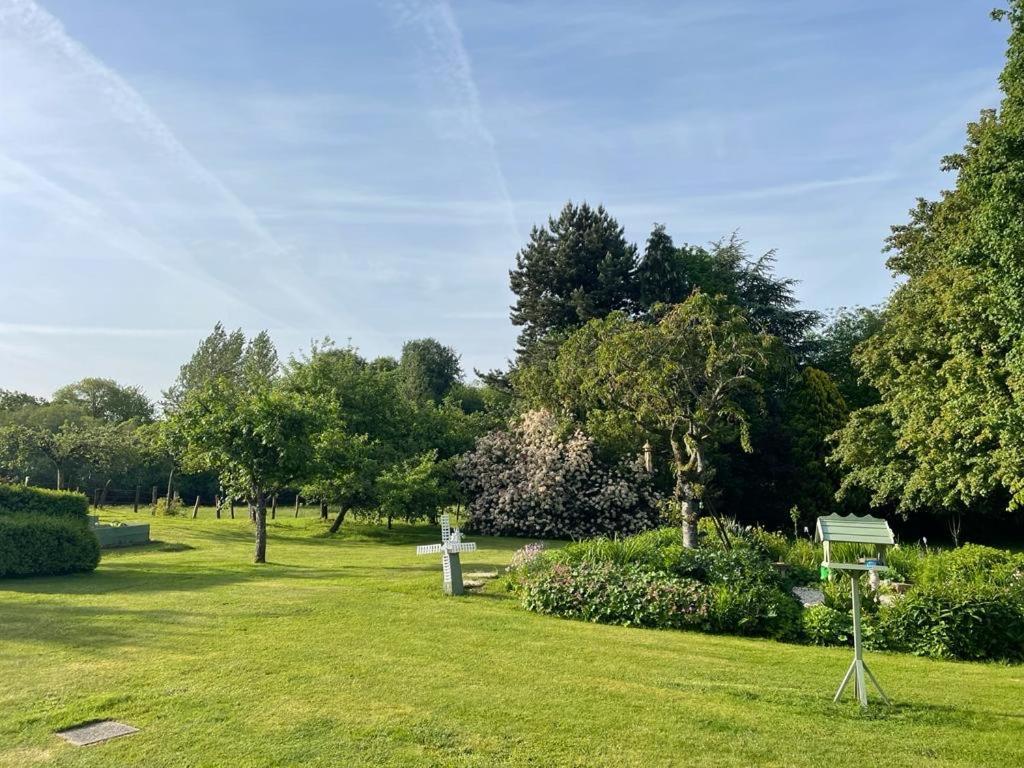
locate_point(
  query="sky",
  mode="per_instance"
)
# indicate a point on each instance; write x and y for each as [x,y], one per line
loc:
[368,170]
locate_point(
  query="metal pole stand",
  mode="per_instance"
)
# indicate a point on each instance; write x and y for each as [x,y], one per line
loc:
[858,669]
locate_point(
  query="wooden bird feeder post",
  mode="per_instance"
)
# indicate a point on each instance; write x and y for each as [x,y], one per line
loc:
[856,530]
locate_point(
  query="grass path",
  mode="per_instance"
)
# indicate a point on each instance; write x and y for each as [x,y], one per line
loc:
[343,652]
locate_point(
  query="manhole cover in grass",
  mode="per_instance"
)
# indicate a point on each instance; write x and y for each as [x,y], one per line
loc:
[81,735]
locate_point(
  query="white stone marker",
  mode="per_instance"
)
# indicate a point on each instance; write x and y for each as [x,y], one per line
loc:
[449,548]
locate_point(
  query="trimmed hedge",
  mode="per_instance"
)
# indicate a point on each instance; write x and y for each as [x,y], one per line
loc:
[44,532]
[42,545]
[23,499]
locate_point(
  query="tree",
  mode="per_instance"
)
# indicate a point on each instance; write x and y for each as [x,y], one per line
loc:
[107,400]
[428,370]
[219,354]
[533,479]
[948,359]
[832,349]
[814,409]
[258,440]
[12,400]
[577,268]
[88,443]
[680,378]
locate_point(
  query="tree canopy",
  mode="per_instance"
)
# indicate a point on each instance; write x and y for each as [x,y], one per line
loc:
[948,359]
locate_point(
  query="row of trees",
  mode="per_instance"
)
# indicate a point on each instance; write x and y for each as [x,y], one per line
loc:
[745,403]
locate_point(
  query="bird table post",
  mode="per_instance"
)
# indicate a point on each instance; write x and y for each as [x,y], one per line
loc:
[449,548]
[860,530]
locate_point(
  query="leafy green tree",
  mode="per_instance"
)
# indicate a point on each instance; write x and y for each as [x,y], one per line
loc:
[680,378]
[12,400]
[832,349]
[814,410]
[107,400]
[428,370]
[948,359]
[219,354]
[577,268]
[257,439]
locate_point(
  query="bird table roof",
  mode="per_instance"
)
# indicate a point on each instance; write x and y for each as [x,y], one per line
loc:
[866,529]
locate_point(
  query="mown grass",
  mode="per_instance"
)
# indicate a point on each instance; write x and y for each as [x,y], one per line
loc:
[343,652]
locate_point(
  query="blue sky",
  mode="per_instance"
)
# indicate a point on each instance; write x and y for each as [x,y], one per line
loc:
[367,170]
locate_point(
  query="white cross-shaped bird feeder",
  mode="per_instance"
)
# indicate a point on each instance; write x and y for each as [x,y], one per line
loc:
[449,548]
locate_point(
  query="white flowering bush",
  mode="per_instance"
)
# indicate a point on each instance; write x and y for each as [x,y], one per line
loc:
[530,481]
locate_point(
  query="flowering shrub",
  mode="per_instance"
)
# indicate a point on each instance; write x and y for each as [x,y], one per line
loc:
[610,593]
[529,481]
[525,556]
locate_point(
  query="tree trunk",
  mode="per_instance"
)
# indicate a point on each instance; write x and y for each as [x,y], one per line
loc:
[58,477]
[298,501]
[339,519]
[683,496]
[389,522]
[260,511]
[232,508]
[138,490]
[217,503]
[170,489]
[195,509]
[324,513]
[103,495]
[273,507]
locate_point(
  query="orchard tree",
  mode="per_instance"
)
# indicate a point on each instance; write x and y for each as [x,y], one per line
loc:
[681,377]
[577,268]
[107,400]
[258,440]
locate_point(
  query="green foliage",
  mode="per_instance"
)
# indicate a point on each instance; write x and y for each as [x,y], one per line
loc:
[971,564]
[742,591]
[947,361]
[411,489]
[612,593]
[825,625]
[165,508]
[106,400]
[577,268]
[681,379]
[832,350]
[21,499]
[428,370]
[45,544]
[970,621]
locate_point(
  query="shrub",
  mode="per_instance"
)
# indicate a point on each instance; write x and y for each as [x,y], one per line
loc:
[163,509]
[970,564]
[611,593]
[965,620]
[752,608]
[824,625]
[529,481]
[43,545]
[23,499]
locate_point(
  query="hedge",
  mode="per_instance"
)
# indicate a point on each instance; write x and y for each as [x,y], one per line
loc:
[43,545]
[23,499]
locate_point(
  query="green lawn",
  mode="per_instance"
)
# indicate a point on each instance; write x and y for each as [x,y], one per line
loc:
[344,653]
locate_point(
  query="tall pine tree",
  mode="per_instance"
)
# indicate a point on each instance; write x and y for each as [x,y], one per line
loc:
[577,268]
